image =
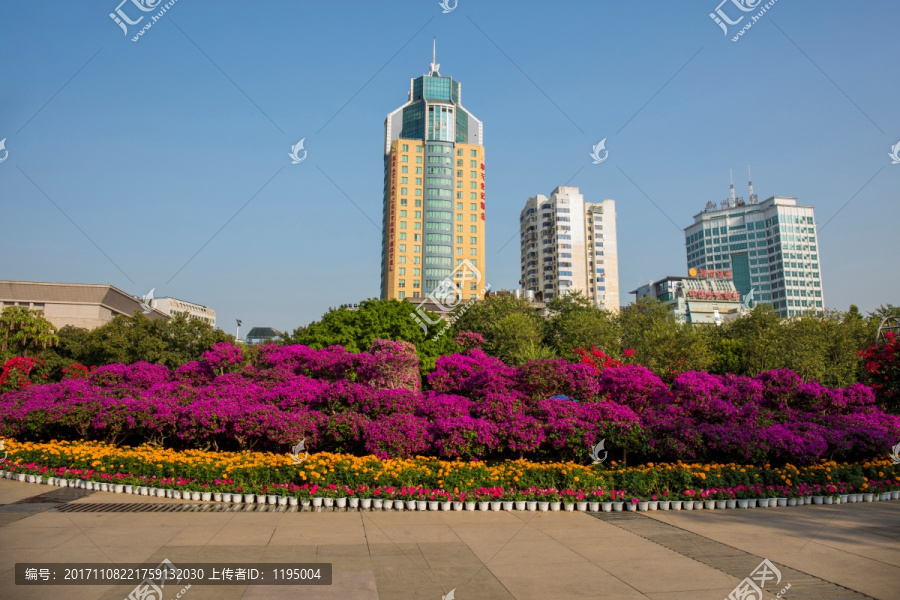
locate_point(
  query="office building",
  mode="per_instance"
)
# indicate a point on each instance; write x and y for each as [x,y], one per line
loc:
[434,194]
[703,297]
[771,247]
[262,335]
[172,306]
[81,305]
[568,244]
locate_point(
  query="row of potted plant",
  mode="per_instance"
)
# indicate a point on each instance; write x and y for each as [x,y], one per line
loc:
[419,498]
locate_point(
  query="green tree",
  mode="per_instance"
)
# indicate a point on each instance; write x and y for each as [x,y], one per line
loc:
[512,328]
[376,319]
[662,343]
[758,337]
[574,322]
[24,331]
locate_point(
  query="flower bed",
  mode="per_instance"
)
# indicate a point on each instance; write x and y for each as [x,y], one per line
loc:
[423,479]
[476,406]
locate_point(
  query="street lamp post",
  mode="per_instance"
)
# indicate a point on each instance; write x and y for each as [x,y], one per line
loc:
[238,331]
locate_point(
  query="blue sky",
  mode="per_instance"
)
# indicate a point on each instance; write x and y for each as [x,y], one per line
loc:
[170,154]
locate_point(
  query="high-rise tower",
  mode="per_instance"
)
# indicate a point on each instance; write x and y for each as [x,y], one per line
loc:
[434,191]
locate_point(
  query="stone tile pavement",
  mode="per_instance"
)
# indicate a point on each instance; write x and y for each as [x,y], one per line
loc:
[491,556]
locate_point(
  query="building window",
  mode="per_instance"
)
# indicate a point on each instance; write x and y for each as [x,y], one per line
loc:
[459,206]
[404,169]
[403,213]
[405,147]
[473,152]
[401,283]
[419,159]
[459,239]
[402,236]
[402,224]
[401,260]
[418,214]
[418,203]
[403,202]
[473,251]
[473,229]
[401,270]
[473,218]
[459,195]
[459,251]
[402,247]
[418,170]
[473,195]
[418,191]
[404,158]
[473,163]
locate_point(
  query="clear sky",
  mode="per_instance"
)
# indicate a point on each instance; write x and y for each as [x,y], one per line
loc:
[170,155]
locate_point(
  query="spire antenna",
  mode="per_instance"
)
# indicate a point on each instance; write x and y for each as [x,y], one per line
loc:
[753,198]
[434,63]
[731,174]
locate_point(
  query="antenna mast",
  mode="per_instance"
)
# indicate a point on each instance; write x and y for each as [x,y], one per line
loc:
[753,197]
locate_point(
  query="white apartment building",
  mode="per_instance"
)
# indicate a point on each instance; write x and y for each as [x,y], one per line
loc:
[568,244]
[771,247]
[172,306]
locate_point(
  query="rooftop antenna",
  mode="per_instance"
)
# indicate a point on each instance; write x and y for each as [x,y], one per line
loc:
[731,174]
[753,197]
[434,64]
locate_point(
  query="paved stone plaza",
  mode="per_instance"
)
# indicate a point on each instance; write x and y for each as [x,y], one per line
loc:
[824,552]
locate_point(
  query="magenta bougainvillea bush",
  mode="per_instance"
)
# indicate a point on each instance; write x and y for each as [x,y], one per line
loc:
[471,405]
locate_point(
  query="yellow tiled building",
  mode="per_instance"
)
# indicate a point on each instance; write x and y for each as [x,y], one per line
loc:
[434,194]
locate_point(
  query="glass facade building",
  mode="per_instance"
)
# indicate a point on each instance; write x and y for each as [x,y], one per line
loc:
[434,191]
[771,248]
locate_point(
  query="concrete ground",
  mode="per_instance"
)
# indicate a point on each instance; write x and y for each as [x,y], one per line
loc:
[844,551]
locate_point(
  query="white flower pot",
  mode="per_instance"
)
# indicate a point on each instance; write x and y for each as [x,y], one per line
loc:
[618,506]
[305,503]
[743,503]
[762,503]
[446,505]
[782,501]
[665,504]
[267,499]
[630,506]
[328,502]
[398,505]
[483,505]
[237,498]
[594,506]
[118,488]
[30,478]
[731,503]
[340,502]
[495,505]
[709,504]
[687,505]
[282,500]
[365,503]
[555,506]
[807,500]
[177,494]
[653,505]
[531,505]
[506,504]
[470,506]
[642,506]
[520,504]
[792,502]
[317,502]
[829,500]
[433,504]
[23,477]
[568,507]
[885,496]
[205,496]
[751,503]
[818,499]
[845,498]
[414,504]
[895,495]
[868,497]
[378,503]
[606,506]
[128,489]
[676,504]
[354,502]
[458,505]
[720,504]
[581,506]
[217,496]
[543,506]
